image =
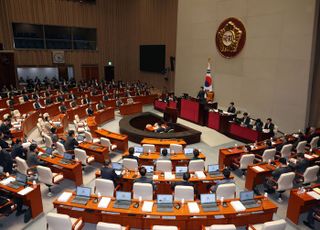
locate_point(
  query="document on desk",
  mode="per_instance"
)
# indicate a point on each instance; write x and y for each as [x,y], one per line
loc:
[147,206]
[317,190]
[25,191]
[308,156]
[104,202]
[258,168]
[169,176]
[200,174]
[7,180]
[314,195]
[237,206]
[65,196]
[193,207]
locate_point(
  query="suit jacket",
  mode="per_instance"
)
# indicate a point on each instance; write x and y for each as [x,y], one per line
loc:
[269,126]
[37,105]
[231,109]
[301,165]
[25,98]
[60,98]
[144,179]
[101,106]
[86,101]
[278,171]
[201,97]
[5,129]
[70,143]
[259,126]
[32,159]
[63,108]
[4,144]
[18,151]
[6,161]
[246,121]
[110,174]
[105,97]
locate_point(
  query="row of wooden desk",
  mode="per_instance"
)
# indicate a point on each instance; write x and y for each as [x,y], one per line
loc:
[136,218]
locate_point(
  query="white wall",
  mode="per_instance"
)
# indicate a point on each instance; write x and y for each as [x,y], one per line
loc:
[270,77]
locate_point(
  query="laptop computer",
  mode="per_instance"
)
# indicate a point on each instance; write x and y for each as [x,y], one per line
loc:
[180,170]
[214,170]
[80,138]
[138,149]
[117,167]
[82,195]
[164,203]
[188,152]
[47,153]
[150,169]
[247,199]
[208,202]
[123,200]
[67,158]
[21,180]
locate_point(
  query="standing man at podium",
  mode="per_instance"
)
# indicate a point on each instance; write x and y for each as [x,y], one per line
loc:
[202,95]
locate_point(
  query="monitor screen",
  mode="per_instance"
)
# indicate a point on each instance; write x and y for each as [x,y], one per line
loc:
[80,138]
[149,168]
[213,168]
[116,166]
[49,151]
[21,178]
[83,191]
[138,149]
[123,195]
[152,58]
[164,199]
[188,151]
[246,195]
[181,169]
[68,156]
[207,198]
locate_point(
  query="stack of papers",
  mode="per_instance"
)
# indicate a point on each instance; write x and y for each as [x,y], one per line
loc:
[258,168]
[317,190]
[200,174]
[25,191]
[193,207]
[104,202]
[314,195]
[237,206]
[169,176]
[7,180]
[147,206]
[64,197]
[308,156]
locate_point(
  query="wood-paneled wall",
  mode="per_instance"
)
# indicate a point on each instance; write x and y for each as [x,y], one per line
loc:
[122,25]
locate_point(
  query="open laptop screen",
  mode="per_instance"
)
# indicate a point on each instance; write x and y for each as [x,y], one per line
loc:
[149,168]
[246,195]
[123,195]
[164,199]
[83,191]
[116,166]
[67,156]
[138,149]
[207,198]
[181,169]
[188,151]
[21,178]
[213,168]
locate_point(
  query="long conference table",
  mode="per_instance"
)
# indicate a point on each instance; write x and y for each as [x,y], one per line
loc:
[181,217]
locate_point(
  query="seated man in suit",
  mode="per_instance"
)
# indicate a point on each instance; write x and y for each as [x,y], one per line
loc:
[6,160]
[25,97]
[18,150]
[196,154]
[131,152]
[90,110]
[143,178]
[311,134]
[101,105]
[231,108]
[269,126]
[10,102]
[5,129]
[37,104]
[63,108]
[185,182]
[270,181]
[71,142]
[60,97]
[245,120]
[107,172]
[202,95]
[32,157]
[72,96]
[226,180]
[3,143]
[73,104]
[301,164]
[53,135]
[259,125]
[48,101]
[86,100]
[105,96]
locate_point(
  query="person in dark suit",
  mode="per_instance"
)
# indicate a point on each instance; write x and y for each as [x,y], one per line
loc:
[5,129]
[53,135]
[270,181]
[300,138]
[245,120]
[32,156]
[259,125]
[37,104]
[301,164]
[73,104]
[202,95]
[86,100]
[18,150]
[185,182]
[143,178]
[131,152]
[269,126]
[71,142]
[6,160]
[63,108]
[311,134]
[60,97]
[72,96]
[3,143]
[107,172]
[25,97]
[48,101]
[101,105]
[90,110]
[196,154]
[226,180]
[105,96]
[231,108]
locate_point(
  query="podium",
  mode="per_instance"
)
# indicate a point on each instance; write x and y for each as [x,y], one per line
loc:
[170,115]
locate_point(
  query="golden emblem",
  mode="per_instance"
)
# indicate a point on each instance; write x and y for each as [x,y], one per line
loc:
[230,37]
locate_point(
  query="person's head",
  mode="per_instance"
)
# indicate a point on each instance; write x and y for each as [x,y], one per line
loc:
[71,133]
[245,114]
[312,129]
[300,155]
[33,147]
[226,173]
[107,163]
[258,120]
[53,130]
[196,153]
[268,143]
[248,148]
[164,152]
[283,161]
[232,103]
[186,176]
[18,141]
[131,151]
[269,120]
[201,88]
[142,171]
